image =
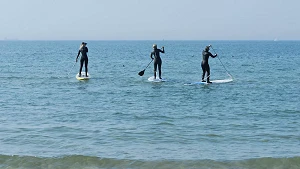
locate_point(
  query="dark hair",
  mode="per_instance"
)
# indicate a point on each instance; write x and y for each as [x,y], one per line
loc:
[207,48]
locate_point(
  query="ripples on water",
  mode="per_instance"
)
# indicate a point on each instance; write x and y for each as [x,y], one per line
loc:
[120,115]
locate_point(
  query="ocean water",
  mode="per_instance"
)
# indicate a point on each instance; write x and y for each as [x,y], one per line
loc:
[118,119]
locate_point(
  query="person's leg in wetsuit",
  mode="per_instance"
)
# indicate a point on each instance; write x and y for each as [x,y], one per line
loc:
[159,68]
[205,68]
[81,65]
[155,68]
[208,73]
[203,71]
[86,61]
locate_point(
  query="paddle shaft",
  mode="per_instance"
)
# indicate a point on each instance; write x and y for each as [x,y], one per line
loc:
[221,62]
[71,68]
[148,64]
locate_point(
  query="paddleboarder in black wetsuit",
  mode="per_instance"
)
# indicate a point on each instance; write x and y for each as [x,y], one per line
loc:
[84,58]
[157,59]
[204,63]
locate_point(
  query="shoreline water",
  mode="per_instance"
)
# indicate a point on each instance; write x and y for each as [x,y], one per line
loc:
[78,161]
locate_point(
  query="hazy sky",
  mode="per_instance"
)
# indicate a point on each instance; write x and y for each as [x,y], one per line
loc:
[150,19]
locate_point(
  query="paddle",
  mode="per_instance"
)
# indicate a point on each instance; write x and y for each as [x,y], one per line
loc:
[141,73]
[71,69]
[222,63]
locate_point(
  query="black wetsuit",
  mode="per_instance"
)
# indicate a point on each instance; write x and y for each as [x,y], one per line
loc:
[157,60]
[205,65]
[84,59]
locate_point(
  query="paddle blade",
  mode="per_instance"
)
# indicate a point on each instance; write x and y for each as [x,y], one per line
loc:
[141,73]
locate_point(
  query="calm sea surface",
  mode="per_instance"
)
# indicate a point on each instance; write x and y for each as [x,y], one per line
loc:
[118,119]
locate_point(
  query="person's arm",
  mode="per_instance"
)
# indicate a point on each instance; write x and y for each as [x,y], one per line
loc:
[213,56]
[151,55]
[77,55]
[87,50]
[163,50]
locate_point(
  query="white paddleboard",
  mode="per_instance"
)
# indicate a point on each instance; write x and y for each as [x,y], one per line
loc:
[151,79]
[213,82]
[222,81]
[83,77]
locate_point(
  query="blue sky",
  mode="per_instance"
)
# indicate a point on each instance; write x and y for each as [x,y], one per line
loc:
[150,19]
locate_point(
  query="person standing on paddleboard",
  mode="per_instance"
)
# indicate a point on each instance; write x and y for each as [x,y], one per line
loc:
[157,60]
[204,64]
[84,58]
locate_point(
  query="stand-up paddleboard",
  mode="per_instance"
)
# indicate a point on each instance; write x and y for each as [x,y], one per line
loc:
[213,82]
[222,81]
[151,79]
[197,83]
[83,77]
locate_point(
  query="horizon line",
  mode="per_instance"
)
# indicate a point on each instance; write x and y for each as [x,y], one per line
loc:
[148,40]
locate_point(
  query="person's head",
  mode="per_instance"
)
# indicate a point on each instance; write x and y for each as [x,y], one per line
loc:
[154,46]
[83,44]
[207,48]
